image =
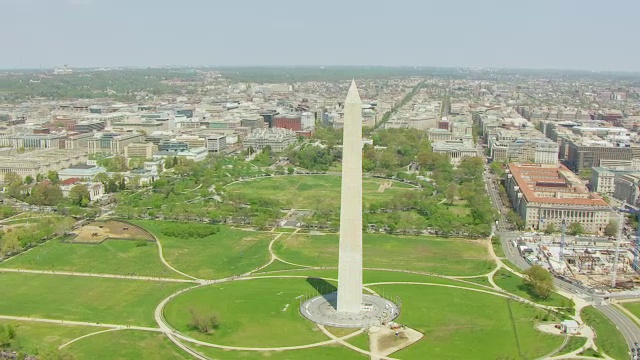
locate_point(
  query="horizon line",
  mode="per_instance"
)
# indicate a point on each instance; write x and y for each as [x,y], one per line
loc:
[416,67]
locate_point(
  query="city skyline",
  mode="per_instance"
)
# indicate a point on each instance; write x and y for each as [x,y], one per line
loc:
[570,35]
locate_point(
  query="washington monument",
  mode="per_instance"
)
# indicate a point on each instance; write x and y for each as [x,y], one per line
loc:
[350,258]
[349,307]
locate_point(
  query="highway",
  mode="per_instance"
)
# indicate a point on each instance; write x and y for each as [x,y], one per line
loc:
[627,327]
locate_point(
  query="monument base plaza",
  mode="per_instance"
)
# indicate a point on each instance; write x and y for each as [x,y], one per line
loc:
[375,311]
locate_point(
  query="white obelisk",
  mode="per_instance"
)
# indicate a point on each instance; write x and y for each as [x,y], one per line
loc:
[350,258]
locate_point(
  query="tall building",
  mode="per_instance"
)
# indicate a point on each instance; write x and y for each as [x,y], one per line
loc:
[308,120]
[216,143]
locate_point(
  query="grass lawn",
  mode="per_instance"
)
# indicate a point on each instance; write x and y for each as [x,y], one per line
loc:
[373,276]
[126,344]
[459,208]
[101,300]
[228,252]
[109,257]
[514,284]
[252,313]
[361,341]
[417,253]
[497,248]
[285,230]
[328,352]
[483,280]
[463,324]
[608,339]
[277,266]
[634,307]
[574,343]
[511,265]
[311,191]
[34,337]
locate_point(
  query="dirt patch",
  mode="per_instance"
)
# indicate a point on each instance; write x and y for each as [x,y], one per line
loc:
[99,231]
[385,185]
[389,341]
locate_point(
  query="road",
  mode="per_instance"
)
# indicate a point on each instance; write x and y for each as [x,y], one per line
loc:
[627,327]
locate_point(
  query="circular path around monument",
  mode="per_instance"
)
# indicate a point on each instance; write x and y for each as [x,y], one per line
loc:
[321,310]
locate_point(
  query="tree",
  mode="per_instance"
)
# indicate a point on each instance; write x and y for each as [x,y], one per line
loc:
[203,323]
[450,193]
[10,244]
[550,228]
[53,176]
[611,229]
[539,281]
[12,179]
[46,194]
[575,228]
[102,178]
[28,179]
[79,195]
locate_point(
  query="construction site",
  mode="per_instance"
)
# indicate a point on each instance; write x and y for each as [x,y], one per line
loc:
[600,263]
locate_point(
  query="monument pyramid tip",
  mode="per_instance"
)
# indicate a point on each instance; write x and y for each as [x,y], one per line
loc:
[353,96]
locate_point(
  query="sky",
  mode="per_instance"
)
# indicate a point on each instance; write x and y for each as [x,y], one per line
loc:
[541,34]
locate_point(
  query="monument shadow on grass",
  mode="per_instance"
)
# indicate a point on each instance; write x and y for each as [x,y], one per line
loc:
[324,288]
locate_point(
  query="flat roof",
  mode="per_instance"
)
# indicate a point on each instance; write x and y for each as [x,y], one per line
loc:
[535,180]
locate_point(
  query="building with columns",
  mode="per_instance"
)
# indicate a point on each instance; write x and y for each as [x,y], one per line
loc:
[543,194]
[455,149]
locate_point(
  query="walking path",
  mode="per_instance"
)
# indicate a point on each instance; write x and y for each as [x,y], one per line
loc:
[85,336]
[169,265]
[78,323]
[344,343]
[282,348]
[111,276]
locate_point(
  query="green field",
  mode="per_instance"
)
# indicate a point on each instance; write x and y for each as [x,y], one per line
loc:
[330,352]
[463,324]
[126,344]
[110,301]
[514,284]
[608,339]
[226,253]
[312,191]
[109,257]
[35,337]
[573,344]
[250,313]
[417,253]
[634,307]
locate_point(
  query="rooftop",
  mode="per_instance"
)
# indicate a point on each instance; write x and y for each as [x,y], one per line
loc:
[553,184]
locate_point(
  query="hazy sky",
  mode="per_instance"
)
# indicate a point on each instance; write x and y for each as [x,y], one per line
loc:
[566,34]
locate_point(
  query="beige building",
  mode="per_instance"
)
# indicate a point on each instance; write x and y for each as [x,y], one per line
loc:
[439,135]
[113,143]
[140,150]
[455,149]
[32,163]
[543,194]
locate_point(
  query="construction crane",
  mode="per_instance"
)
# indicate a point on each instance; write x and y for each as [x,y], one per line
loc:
[637,242]
[614,271]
